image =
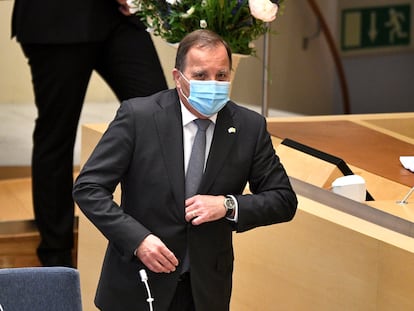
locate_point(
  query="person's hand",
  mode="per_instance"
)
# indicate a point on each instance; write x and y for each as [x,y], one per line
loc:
[204,208]
[124,7]
[127,7]
[156,256]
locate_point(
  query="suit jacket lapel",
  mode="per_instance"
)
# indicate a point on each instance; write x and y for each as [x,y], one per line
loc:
[169,124]
[225,134]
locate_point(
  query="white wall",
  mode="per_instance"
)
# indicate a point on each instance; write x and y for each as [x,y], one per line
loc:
[302,79]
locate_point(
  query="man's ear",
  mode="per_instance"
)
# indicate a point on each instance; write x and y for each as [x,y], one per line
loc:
[176,76]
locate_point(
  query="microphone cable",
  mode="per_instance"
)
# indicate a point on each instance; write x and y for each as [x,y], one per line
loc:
[144,279]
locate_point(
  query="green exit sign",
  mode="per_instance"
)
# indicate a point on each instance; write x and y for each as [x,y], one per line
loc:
[375,27]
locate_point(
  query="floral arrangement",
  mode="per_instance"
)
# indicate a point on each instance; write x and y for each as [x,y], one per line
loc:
[238,22]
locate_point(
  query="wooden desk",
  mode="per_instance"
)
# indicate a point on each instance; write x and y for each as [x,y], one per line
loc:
[369,144]
[324,259]
[336,255]
[372,144]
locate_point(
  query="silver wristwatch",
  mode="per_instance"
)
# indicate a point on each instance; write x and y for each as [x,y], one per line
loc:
[229,205]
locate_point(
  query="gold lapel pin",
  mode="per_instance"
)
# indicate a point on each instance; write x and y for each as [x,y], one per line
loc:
[231,130]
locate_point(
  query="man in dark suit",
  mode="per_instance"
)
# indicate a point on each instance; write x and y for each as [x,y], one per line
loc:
[183,241]
[64,42]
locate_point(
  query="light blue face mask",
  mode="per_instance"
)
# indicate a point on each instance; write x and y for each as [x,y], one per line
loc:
[207,97]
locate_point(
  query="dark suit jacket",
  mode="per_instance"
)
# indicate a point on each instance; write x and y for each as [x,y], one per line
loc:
[73,21]
[143,149]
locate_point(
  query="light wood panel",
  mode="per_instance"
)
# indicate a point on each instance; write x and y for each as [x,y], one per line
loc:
[91,251]
[379,187]
[19,250]
[91,243]
[16,199]
[13,172]
[19,236]
[307,168]
[323,260]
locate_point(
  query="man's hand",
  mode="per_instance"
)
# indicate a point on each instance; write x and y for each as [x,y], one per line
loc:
[204,208]
[156,256]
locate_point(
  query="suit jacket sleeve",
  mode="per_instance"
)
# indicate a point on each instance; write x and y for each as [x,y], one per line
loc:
[95,185]
[272,199]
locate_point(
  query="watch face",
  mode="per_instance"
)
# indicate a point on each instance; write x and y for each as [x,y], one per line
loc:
[230,206]
[230,203]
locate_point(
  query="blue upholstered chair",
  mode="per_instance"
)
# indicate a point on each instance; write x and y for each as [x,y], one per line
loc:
[40,289]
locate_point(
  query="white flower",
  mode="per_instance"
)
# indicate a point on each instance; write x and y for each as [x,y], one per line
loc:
[150,30]
[264,10]
[188,13]
[172,2]
[203,23]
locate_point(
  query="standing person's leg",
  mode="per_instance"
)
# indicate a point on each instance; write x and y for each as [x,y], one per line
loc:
[129,63]
[60,76]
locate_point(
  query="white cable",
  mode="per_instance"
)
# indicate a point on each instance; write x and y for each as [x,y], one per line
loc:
[1,308]
[144,279]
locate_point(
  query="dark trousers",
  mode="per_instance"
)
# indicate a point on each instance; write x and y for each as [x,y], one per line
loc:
[128,62]
[183,298]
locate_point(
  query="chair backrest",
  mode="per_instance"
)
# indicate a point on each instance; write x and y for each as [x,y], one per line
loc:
[40,289]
